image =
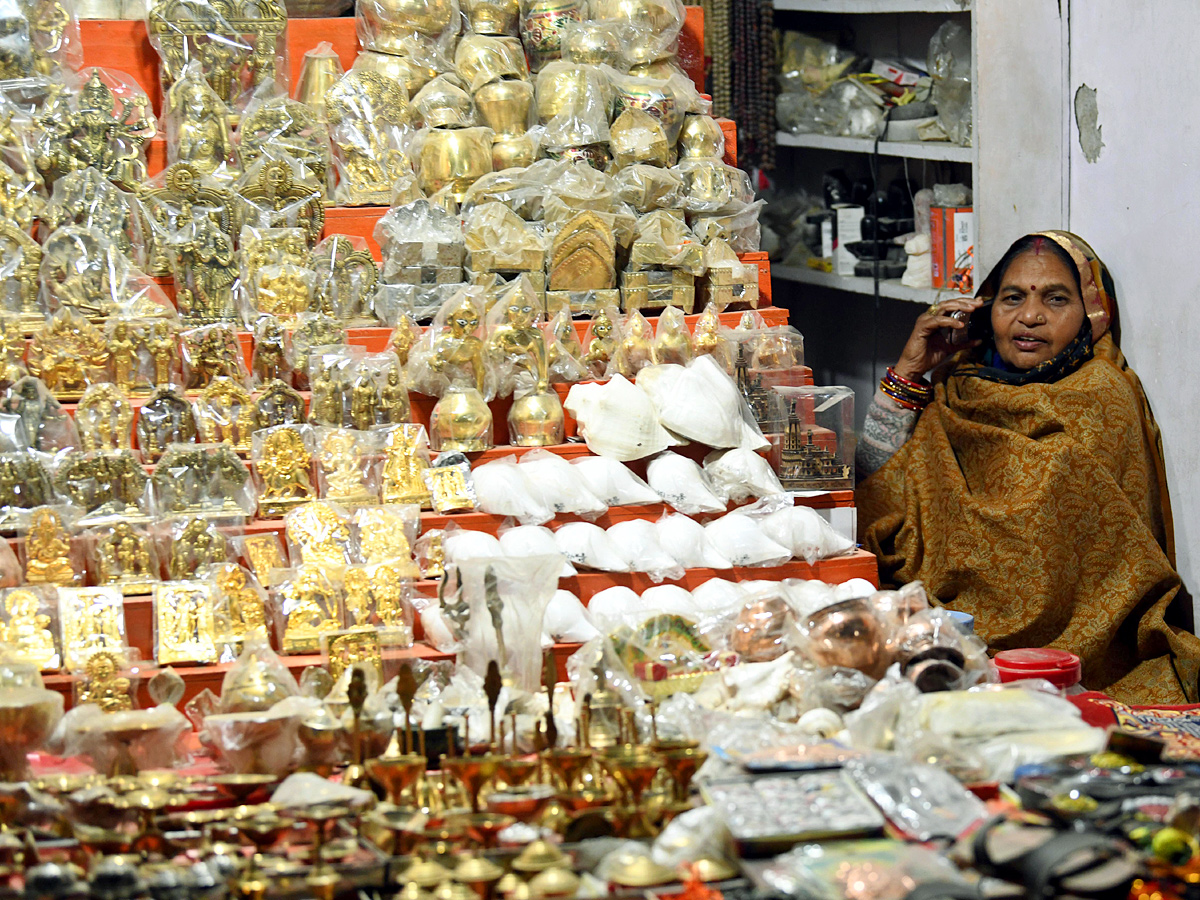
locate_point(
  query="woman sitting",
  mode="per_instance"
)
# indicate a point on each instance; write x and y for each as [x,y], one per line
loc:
[1026,485]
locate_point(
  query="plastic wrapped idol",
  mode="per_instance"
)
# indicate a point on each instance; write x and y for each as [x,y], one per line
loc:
[449,362]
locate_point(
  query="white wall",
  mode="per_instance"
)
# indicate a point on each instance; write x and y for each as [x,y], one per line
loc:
[1138,206]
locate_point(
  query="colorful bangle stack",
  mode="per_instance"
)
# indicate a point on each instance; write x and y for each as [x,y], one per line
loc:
[909,394]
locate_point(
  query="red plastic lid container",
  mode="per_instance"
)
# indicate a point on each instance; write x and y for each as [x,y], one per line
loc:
[1059,667]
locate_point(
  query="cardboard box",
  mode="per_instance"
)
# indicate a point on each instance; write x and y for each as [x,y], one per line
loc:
[847,230]
[952,235]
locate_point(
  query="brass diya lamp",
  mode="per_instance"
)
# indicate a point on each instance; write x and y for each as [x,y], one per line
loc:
[634,769]
[396,771]
[241,786]
[565,764]
[539,856]
[681,759]
[261,830]
[472,772]
[555,883]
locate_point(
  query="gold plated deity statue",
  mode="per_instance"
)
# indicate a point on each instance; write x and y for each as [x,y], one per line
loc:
[184,628]
[461,419]
[283,465]
[342,468]
[310,605]
[26,633]
[48,550]
[92,620]
[404,466]
[104,418]
[535,418]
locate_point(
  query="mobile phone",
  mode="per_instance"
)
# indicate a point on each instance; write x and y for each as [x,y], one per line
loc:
[979,326]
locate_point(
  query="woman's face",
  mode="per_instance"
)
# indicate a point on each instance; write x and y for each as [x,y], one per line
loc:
[1038,310]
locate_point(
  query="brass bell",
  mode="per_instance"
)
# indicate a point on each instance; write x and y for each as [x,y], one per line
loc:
[320,71]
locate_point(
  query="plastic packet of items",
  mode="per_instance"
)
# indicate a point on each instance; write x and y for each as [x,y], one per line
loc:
[86,198]
[592,43]
[564,353]
[663,240]
[123,556]
[667,99]
[419,32]
[346,277]
[647,187]
[808,64]
[949,64]
[542,28]
[925,802]
[502,488]
[275,126]
[411,303]
[418,234]
[444,102]
[85,271]
[450,354]
[648,31]
[195,119]
[107,485]
[483,59]
[42,38]
[313,330]
[370,128]
[203,477]
[894,870]
[739,228]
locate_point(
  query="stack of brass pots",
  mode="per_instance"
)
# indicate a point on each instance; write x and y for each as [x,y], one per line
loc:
[543,25]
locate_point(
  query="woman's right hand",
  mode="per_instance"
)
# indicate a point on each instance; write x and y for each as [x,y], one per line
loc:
[927,347]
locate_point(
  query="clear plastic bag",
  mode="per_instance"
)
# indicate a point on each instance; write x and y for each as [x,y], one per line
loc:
[29,625]
[702,402]
[637,541]
[924,801]
[508,600]
[277,127]
[240,607]
[196,122]
[739,539]
[85,271]
[449,483]
[308,604]
[347,465]
[556,483]
[210,352]
[567,620]
[613,483]
[683,484]
[109,97]
[836,871]
[805,533]
[686,541]
[280,191]
[92,621]
[573,103]
[32,419]
[740,474]
[672,340]
[318,533]
[503,489]
[949,64]
[87,199]
[587,545]
[532,540]
[370,127]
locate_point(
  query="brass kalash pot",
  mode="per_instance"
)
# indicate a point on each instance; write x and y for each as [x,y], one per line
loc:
[454,152]
[504,106]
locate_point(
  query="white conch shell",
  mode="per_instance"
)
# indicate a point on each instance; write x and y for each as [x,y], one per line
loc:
[610,607]
[613,482]
[533,540]
[567,620]
[684,538]
[670,599]
[637,541]
[587,545]
[501,489]
[683,484]
[854,589]
[739,538]
[739,474]
[702,403]
[805,533]
[809,596]
[758,685]
[464,544]
[557,484]
[717,594]
[822,722]
[617,420]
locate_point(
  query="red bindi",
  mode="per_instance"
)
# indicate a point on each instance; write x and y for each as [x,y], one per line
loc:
[1033,287]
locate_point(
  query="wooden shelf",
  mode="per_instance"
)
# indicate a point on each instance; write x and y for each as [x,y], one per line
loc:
[941,151]
[891,288]
[874,6]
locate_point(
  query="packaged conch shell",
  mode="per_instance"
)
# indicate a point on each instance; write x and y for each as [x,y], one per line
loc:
[637,540]
[533,540]
[805,533]
[502,489]
[617,420]
[613,482]
[740,538]
[587,545]
[683,484]
[558,485]
[702,403]
[739,474]
[685,539]
[567,620]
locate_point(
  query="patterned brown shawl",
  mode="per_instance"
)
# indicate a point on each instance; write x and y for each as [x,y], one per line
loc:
[1042,510]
